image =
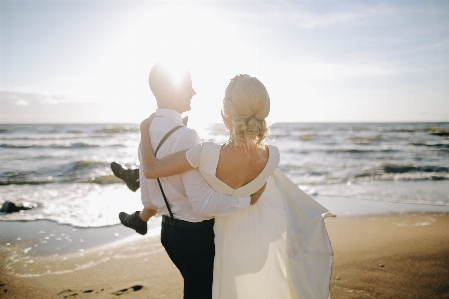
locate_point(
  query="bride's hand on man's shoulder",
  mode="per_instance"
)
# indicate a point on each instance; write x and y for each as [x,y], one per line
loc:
[145,124]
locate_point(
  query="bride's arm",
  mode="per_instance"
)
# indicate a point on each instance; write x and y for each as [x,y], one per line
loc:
[152,168]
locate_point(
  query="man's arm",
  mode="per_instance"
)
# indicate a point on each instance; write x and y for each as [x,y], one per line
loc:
[206,201]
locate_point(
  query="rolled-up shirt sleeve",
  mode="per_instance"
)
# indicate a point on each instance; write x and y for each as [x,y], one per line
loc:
[145,192]
[193,155]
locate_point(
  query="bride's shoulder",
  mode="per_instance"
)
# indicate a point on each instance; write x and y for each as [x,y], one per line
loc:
[210,145]
[274,153]
[272,149]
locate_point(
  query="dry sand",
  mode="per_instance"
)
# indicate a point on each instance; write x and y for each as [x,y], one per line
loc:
[401,256]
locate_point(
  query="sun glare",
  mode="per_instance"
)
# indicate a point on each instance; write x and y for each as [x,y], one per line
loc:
[195,36]
[177,34]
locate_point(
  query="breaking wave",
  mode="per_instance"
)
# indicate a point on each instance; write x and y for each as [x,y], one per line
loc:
[406,172]
[95,172]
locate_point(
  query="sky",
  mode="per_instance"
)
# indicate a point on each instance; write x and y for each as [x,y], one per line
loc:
[321,61]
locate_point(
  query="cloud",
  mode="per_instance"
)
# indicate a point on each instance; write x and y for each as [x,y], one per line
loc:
[308,20]
[21,103]
[319,15]
[21,98]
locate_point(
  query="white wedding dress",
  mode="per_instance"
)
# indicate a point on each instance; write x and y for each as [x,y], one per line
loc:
[277,248]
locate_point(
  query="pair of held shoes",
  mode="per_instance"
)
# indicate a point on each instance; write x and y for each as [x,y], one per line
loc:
[131,178]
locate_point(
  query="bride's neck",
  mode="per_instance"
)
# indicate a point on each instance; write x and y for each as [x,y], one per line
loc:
[241,148]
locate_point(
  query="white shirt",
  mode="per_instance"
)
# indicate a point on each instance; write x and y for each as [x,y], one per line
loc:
[189,195]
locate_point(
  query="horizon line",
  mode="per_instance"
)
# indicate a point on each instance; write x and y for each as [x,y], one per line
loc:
[288,122]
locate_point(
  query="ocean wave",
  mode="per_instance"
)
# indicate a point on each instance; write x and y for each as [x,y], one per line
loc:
[57,146]
[395,168]
[360,151]
[417,176]
[33,177]
[365,140]
[43,137]
[279,135]
[301,135]
[404,130]
[439,131]
[30,181]
[430,130]
[88,164]
[341,150]
[307,137]
[82,171]
[103,180]
[388,171]
[431,144]
[118,129]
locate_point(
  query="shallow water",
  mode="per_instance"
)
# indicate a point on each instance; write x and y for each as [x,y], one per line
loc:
[63,170]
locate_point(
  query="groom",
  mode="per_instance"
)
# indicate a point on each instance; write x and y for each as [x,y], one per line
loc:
[188,237]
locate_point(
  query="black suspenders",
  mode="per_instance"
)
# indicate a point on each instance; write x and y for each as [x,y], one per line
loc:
[155,153]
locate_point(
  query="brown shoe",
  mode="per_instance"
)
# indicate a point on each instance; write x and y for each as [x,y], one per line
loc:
[129,176]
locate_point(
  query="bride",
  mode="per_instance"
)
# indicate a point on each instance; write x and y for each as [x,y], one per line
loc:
[277,248]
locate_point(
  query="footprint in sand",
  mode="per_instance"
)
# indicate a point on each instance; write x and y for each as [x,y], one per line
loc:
[68,294]
[128,290]
[73,294]
[3,288]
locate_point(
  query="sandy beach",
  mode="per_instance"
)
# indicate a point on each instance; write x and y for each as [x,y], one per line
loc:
[395,256]
[401,256]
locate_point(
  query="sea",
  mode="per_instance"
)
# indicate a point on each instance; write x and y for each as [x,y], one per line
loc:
[62,171]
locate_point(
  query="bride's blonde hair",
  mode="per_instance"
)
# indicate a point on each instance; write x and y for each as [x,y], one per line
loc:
[247,103]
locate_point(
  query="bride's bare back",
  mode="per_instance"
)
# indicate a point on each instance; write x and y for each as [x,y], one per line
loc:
[236,169]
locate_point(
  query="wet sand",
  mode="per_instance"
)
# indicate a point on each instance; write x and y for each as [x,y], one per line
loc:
[398,256]
[402,256]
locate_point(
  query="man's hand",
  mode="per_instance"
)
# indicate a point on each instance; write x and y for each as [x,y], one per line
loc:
[255,196]
[146,214]
[145,124]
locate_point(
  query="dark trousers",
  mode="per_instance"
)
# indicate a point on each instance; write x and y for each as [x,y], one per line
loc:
[192,250]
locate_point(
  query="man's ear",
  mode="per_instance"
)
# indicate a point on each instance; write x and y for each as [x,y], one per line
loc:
[165,90]
[165,94]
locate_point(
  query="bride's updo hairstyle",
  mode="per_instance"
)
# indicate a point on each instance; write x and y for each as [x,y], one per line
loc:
[247,104]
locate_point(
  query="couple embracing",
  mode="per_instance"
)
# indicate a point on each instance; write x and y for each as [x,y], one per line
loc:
[233,224]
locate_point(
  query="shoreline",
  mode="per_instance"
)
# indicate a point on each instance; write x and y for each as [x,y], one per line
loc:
[49,238]
[377,256]
[349,207]
[46,237]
